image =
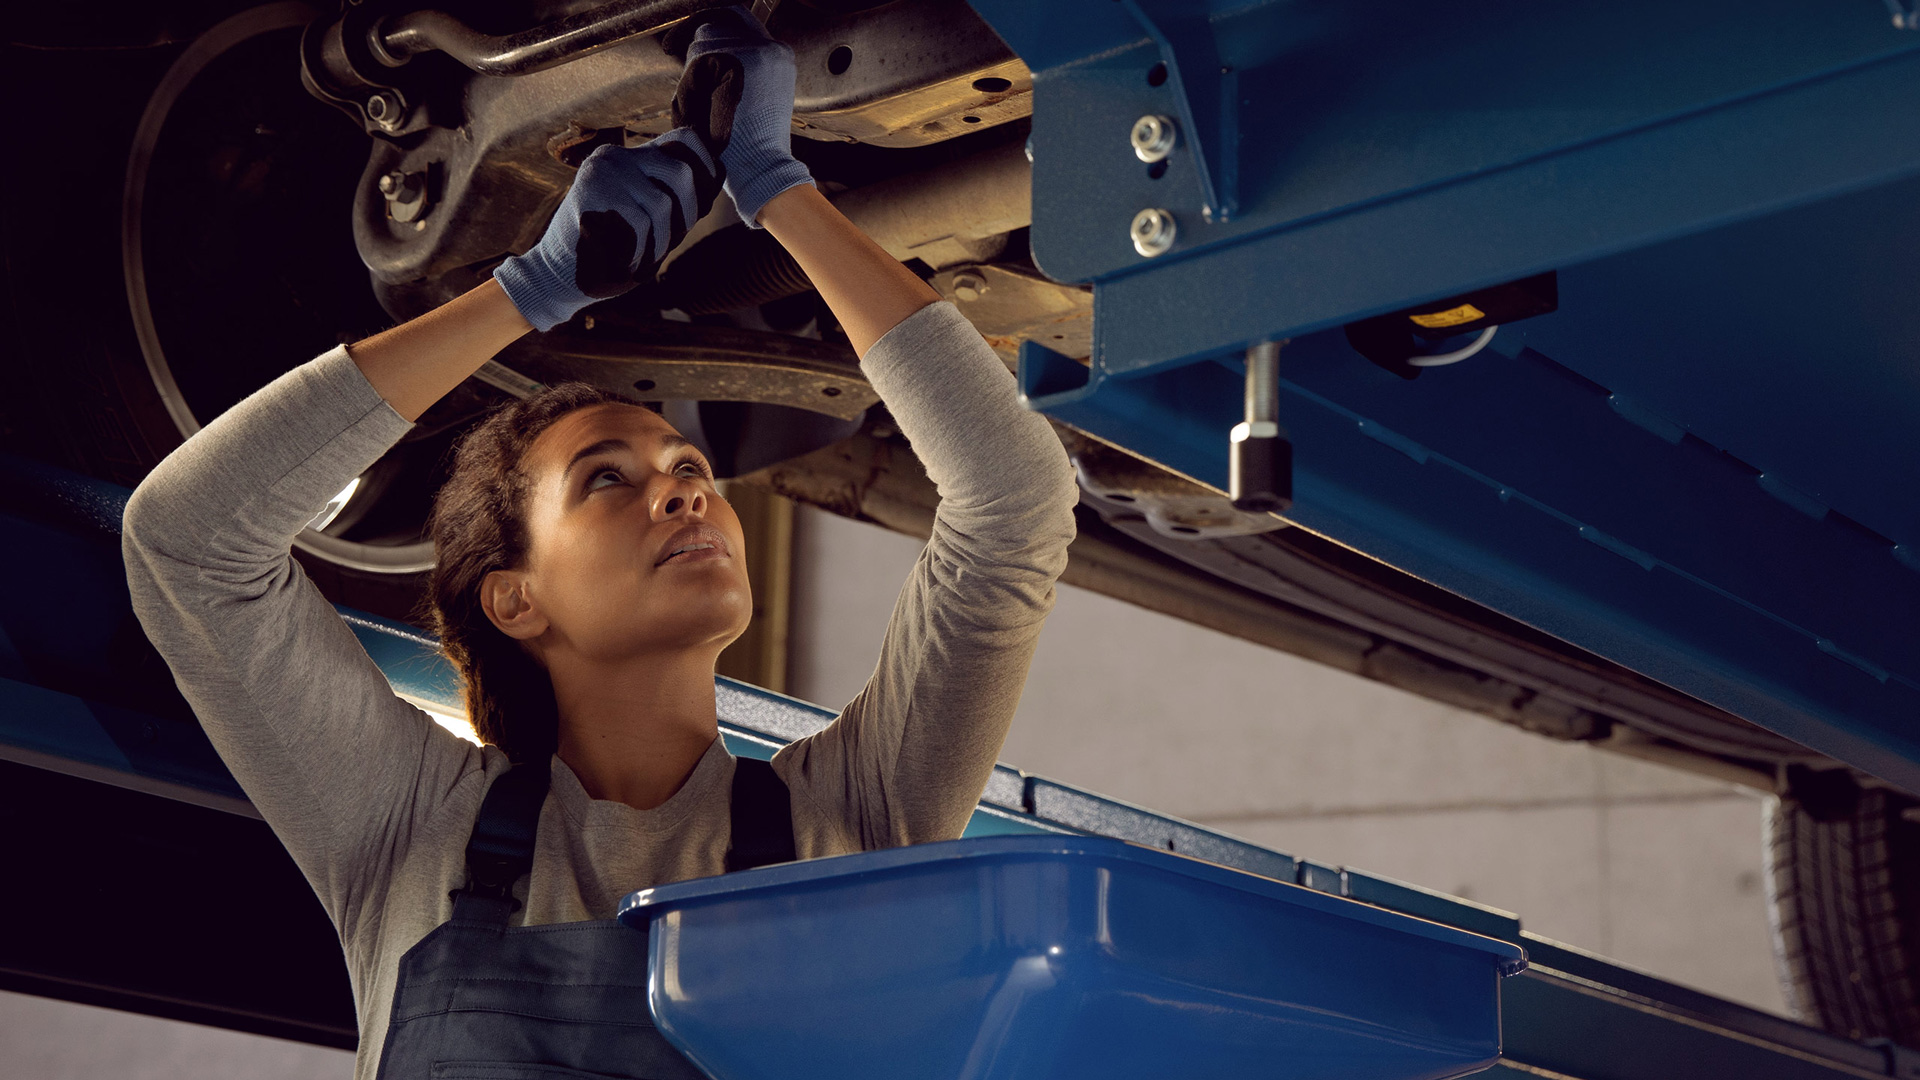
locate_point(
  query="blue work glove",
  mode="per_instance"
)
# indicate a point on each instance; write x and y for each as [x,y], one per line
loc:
[737,94]
[626,209]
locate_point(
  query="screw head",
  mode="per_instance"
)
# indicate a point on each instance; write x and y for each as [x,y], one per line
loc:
[1153,138]
[1153,232]
[968,286]
[390,183]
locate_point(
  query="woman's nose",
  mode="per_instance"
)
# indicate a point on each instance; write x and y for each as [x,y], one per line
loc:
[681,497]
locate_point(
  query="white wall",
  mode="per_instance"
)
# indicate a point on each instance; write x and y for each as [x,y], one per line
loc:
[1656,868]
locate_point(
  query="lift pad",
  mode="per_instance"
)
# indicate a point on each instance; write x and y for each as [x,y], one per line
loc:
[1034,957]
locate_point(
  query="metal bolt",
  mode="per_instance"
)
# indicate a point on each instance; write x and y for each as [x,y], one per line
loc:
[969,286]
[403,187]
[1260,459]
[1153,231]
[406,195]
[1263,391]
[1153,138]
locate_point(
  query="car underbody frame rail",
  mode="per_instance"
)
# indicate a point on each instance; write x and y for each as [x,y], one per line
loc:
[1699,466]
[397,39]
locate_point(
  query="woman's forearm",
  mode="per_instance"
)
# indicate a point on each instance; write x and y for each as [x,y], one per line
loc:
[868,289]
[416,363]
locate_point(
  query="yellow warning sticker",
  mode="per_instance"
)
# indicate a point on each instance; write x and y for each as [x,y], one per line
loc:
[1465,313]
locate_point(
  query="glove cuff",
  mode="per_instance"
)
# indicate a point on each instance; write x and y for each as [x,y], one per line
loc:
[541,296]
[760,185]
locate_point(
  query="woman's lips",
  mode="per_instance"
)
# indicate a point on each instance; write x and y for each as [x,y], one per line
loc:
[699,554]
[695,543]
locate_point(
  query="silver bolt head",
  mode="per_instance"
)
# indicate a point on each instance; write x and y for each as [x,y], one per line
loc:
[390,183]
[1153,138]
[969,286]
[1153,232]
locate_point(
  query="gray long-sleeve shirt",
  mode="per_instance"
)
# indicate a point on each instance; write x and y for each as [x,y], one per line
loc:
[375,801]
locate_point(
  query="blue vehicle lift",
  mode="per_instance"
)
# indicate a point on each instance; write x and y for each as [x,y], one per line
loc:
[69,706]
[1702,465]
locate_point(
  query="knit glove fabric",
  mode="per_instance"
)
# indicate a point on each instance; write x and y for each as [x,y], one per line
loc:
[737,94]
[626,209]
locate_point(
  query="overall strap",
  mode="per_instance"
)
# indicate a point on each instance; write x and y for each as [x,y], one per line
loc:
[500,851]
[762,810]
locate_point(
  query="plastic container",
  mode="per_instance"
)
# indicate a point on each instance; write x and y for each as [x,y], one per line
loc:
[1054,956]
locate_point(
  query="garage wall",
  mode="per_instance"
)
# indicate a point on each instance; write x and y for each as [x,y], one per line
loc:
[55,1040]
[1654,867]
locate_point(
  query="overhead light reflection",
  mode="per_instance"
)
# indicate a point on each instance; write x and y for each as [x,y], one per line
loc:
[454,722]
[334,505]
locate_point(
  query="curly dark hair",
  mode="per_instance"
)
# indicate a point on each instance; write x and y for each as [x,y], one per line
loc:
[478,525]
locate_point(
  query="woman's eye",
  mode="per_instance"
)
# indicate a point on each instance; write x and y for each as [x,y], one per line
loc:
[594,480]
[691,468]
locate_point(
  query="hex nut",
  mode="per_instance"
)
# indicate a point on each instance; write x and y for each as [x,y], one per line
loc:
[1153,232]
[1153,138]
[968,286]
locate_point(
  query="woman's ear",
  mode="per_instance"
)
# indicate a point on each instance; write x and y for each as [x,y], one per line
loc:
[508,602]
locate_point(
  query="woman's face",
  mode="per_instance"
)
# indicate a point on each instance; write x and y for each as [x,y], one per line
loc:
[632,550]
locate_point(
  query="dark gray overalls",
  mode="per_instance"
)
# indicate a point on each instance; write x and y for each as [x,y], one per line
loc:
[480,1000]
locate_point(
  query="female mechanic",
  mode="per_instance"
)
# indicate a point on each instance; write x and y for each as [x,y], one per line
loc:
[588,575]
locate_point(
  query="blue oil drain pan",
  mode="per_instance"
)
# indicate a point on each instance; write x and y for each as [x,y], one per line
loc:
[1029,957]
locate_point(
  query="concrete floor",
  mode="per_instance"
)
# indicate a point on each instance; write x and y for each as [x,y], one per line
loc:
[1655,868]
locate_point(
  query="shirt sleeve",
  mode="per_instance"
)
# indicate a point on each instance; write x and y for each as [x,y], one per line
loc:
[340,767]
[907,759]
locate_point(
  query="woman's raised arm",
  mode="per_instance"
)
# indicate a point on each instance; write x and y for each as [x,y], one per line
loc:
[299,713]
[907,759]
[344,771]
[869,290]
[416,363]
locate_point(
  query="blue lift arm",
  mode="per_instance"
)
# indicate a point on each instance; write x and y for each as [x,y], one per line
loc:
[1701,466]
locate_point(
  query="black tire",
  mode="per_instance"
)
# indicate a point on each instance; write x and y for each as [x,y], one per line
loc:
[241,278]
[1844,884]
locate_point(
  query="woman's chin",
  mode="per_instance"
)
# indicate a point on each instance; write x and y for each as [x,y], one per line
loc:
[713,625]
